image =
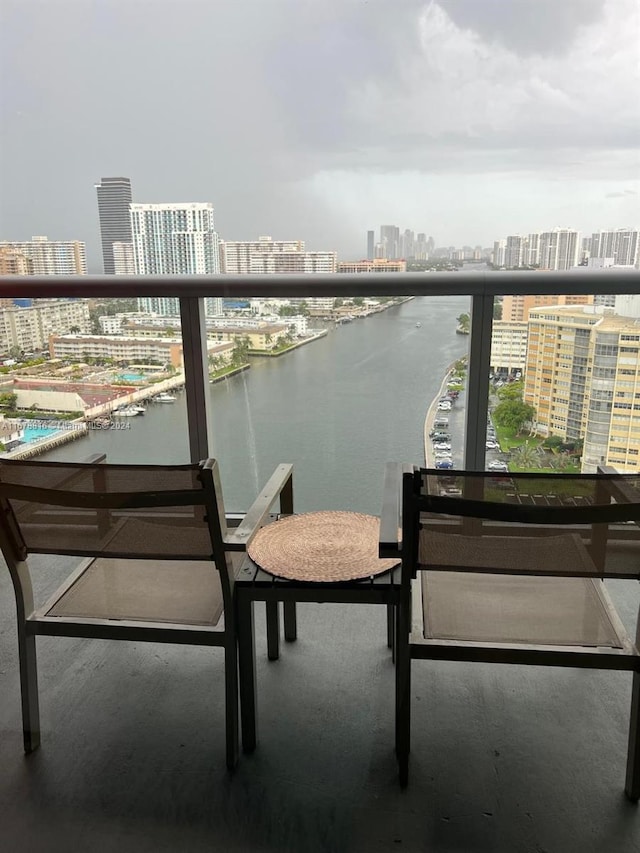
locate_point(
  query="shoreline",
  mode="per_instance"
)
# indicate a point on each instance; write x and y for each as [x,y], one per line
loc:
[431,415]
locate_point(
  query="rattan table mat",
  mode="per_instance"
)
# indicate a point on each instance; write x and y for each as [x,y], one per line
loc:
[329,546]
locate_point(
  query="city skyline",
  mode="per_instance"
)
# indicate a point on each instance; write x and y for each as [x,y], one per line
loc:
[468,119]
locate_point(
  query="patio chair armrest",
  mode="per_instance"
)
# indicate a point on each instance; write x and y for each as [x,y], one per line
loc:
[94,458]
[279,485]
[391,514]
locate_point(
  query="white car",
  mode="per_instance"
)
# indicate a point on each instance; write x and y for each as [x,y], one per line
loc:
[442,445]
[492,445]
[444,407]
[497,465]
[443,454]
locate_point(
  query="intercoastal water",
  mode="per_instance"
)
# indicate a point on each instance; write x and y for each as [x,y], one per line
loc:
[338,409]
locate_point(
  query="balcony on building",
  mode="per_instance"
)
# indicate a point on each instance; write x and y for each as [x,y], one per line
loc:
[503,758]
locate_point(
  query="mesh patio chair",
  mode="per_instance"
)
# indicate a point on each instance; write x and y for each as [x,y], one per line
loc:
[160,562]
[510,569]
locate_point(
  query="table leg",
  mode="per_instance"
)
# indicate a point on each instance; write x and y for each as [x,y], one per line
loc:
[273,630]
[290,621]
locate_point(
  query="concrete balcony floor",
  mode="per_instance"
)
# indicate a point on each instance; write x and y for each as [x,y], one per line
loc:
[504,758]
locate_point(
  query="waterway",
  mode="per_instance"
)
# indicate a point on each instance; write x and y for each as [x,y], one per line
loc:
[338,409]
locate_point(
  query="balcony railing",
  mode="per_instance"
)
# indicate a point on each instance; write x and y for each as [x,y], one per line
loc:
[481,287]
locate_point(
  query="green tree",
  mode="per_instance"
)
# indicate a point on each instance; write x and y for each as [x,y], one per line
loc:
[464,322]
[240,350]
[527,456]
[8,401]
[513,414]
[511,391]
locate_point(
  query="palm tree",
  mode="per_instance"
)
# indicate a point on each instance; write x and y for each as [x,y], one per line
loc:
[527,456]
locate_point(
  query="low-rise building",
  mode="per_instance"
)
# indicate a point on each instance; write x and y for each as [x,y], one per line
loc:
[129,349]
[266,337]
[373,265]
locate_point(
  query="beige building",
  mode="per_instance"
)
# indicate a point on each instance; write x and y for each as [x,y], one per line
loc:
[266,337]
[51,257]
[128,349]
[515,308]
[14,262]
[583,379]
[30,327]
[374,265]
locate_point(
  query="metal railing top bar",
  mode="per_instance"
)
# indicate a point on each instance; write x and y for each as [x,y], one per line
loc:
[464,283]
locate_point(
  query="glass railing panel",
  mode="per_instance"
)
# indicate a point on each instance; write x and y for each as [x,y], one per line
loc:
[338,395]
[83,376]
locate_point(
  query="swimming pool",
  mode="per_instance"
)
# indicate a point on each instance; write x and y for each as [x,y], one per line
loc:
[132,377]
[35,433]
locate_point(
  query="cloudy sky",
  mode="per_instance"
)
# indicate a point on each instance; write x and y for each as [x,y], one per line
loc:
[320,119]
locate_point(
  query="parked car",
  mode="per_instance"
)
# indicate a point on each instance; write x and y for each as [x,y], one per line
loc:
[497,465]
[442,445]
[443,454]
[444,463]
[492,445]
[444,406]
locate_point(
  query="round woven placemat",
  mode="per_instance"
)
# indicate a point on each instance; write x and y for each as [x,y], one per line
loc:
[320,547]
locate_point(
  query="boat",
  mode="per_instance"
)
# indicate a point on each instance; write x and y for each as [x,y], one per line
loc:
[139,409]
[418,325]
[127,412]
[164,398]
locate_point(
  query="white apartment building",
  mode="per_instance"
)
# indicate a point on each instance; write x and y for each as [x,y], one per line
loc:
[29,327]
[375,265]
[621,245]
[177,238]
[123,260]
[508,346]
[559,249]
[51,257]
[268,256]
[498,256]
[128,349]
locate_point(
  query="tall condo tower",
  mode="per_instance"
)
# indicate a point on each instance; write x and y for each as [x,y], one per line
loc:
[114,198]
[371,245]
[178,238]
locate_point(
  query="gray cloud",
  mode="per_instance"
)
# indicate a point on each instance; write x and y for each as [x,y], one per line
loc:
[526,26]
[275,110]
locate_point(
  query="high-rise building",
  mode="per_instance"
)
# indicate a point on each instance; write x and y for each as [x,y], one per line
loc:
[498,256]
[264,255]
[622,245]
[29,327]
[123,260]
[514,252]
[175,239]
[516,307]
[114,198]
[583,379]
[13,262]
[390,239]
[51,257]
[559,249]
[371,243]
[508,347]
